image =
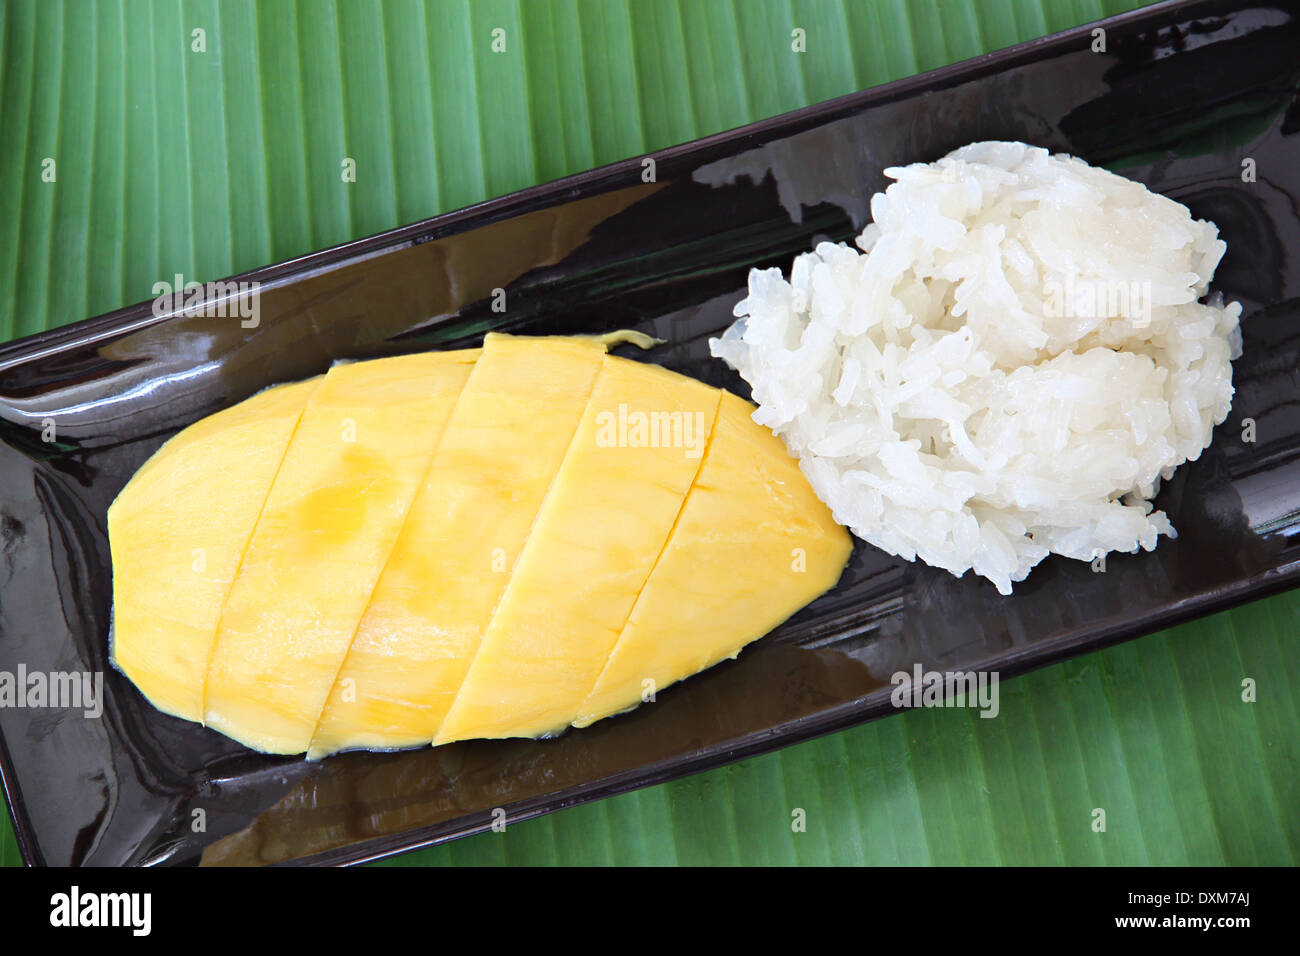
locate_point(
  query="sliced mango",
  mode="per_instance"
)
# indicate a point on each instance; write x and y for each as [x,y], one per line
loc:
[340,498]
[178,531]
[753,545]
[502,447]
[488,543]
[607,517]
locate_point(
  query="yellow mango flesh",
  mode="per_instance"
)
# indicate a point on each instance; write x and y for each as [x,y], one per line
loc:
[488,543]
[505,440]
[753,545]
[603,524]
[178,531]
[360,453]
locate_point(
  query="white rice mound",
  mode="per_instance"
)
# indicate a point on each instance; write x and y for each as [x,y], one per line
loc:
[1007,369]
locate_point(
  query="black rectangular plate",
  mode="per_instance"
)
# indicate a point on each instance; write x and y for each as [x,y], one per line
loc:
[1183,96]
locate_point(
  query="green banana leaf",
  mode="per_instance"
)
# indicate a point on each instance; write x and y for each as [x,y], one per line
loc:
[207,137]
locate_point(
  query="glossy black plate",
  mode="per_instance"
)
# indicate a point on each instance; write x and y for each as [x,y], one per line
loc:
[1186,98]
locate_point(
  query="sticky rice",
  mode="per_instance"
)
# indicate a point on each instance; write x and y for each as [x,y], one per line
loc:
[1016,357]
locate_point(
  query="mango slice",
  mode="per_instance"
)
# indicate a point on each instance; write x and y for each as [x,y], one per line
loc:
[485,543]
[600,530]
[178,531]
[502,447]
[333,514]
[753,545]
